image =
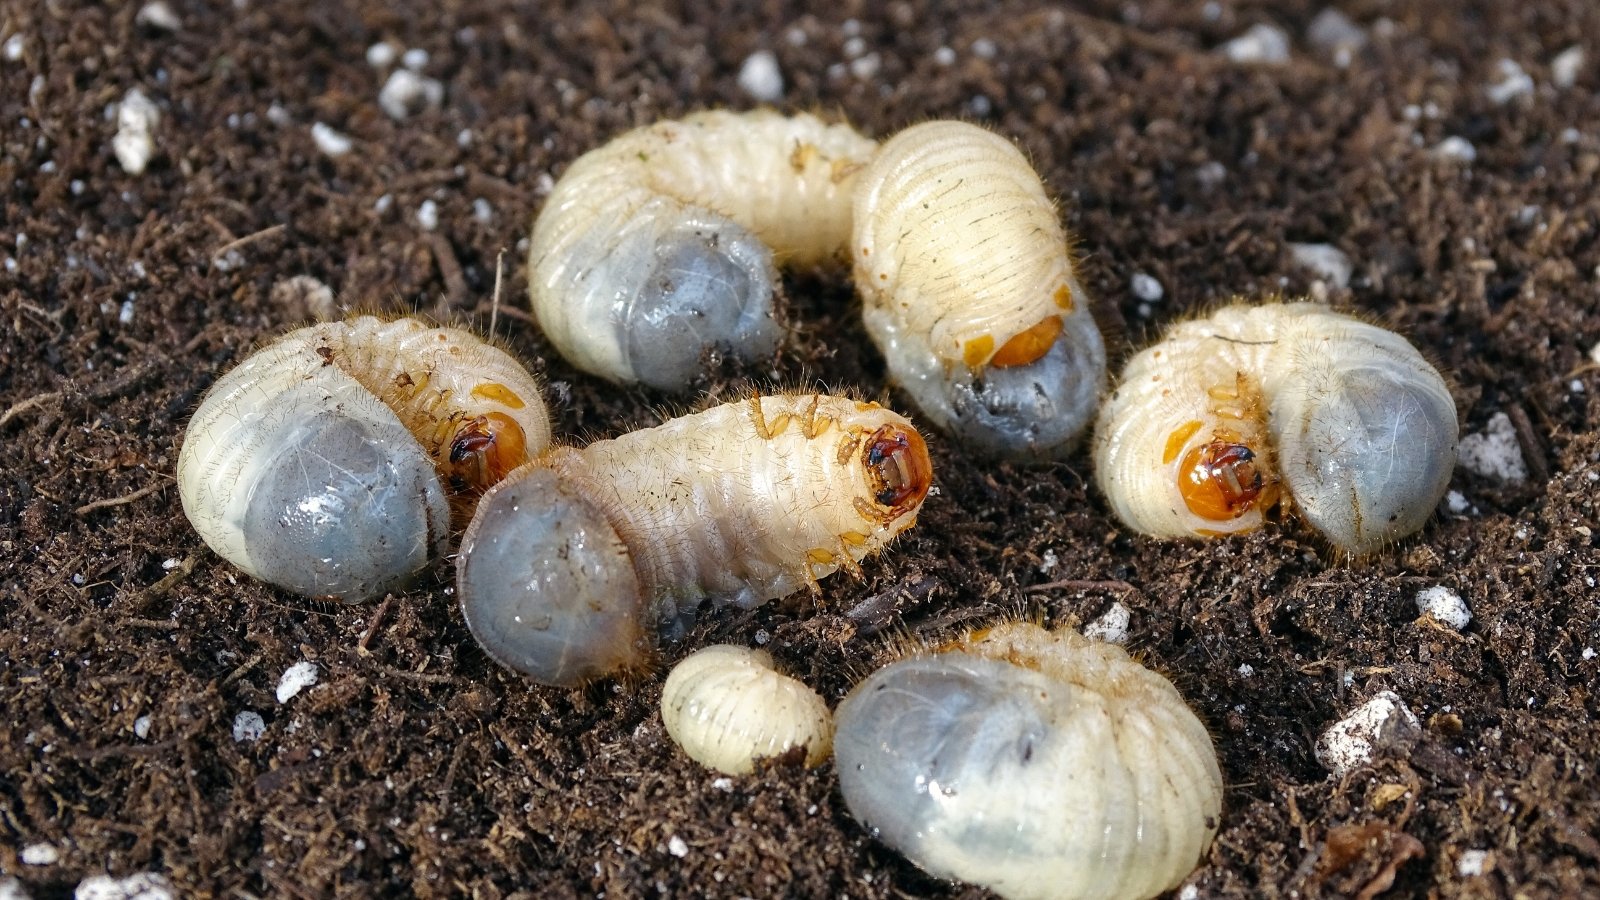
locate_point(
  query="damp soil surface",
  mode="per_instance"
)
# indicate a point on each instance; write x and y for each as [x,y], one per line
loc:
[130,654]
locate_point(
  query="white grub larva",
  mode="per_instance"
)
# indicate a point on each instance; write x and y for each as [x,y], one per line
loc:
[969,291]
[574,564]
[1034,763]
[325,462]
[659,247]
[1232,413]
[727,707]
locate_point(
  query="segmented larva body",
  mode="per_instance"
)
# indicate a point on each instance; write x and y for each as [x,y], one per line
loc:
[574,564]
[1034,763]
[970,292]
[326,461]
[1232,413]
[727,707]
[659,246]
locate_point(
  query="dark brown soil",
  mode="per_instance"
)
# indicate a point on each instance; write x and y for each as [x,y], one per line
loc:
[418,766]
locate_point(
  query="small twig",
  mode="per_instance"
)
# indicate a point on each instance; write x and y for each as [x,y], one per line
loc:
[444,257]
[247,239]
[499,271]
[243,668]
[142,600]
[479,183]
[125,382]
[113,750]
[125,499]
[159,624]
[22,406]
[1528,440]
[510,312]
[424,677]
[1080,584]
[372,627]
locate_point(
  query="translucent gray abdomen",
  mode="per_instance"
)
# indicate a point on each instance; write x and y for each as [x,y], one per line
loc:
[310,483]
[1035,411]
[922,734]
[1370,450]
[1086,777]
[351,508]
[547,586]
[708,287]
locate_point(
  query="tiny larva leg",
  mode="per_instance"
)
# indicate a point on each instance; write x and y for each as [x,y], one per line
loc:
[758,420]
[848,445]
[844,559]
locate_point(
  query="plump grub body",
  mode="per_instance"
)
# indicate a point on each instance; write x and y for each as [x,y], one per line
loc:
[1037,764]
[1232,413]
[325,463]
[575,564]
[662,245]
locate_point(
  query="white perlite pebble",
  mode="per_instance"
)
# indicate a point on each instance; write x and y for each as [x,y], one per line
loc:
[381,55]
[1494,452]
[248,727]
[1111,627]
[12,889]
[158,15]
[141,727]
[1445,605]
[1350,742]
[1146,288]
[1456,502]
[761,78]
[677,847]
[13,48]
[330,141]
[137,117]
[406,94]
[296,678]
[414,59]
[1513,83]
[1594,353]
[39,855]
[1260,44]
[1456,148]
[1565,67]
[303,296]
[428,215]
[1332,32]
[143,886]
[1328,261]
[1472,863]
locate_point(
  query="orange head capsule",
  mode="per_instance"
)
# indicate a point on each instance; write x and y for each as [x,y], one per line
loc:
[485,449]
[1219,481]
[897,460]
[1028,345]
